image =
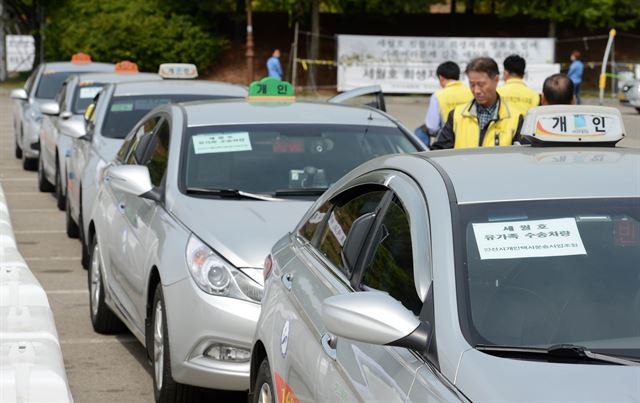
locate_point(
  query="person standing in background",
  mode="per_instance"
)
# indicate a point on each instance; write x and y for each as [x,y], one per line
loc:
[443,101]
[274,69]
[514,90]
[575,74]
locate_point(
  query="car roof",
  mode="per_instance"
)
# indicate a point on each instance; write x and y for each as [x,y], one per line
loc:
[527,173]
[179,87]
[254,112]
[117,77]
[73,67]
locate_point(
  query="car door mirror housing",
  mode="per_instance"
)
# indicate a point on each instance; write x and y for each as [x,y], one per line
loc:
[19,94]
[65,115]
[50,108]
[132,179]
[355,239]
[375,317]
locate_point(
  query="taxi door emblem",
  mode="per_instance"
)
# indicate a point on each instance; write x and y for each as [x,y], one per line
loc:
[284,339]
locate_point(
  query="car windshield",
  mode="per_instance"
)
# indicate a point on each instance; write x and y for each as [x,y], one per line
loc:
[125,111]
[50,83]
[543,273]
[281,158]
[84,95]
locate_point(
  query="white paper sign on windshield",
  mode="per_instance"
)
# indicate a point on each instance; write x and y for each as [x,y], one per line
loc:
[221,143]
[533,238]
[89,92]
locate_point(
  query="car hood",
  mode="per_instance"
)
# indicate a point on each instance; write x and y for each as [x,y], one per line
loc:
[74,126]
[482,377]
[107,148]
[242,231]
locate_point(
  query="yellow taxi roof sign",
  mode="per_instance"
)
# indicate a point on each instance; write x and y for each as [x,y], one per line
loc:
[270,89]
[126,67]
[80,58]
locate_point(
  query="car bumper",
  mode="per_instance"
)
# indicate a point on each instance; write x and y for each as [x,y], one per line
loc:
[195,321]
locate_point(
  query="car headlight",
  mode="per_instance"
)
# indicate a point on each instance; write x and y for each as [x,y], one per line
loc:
[216,276]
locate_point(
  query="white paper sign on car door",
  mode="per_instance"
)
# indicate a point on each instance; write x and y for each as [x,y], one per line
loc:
[533,238]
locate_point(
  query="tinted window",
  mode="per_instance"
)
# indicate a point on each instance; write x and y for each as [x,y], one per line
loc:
[50,83]
[309,228]
[84,95]
[391,268]
[268,158]
[61,97]
[124,111]
[339,224]
[134,138]
[541,273]
[159,157]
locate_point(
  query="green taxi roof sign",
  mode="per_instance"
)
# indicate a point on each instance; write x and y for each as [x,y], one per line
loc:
[573,125]
[270,88]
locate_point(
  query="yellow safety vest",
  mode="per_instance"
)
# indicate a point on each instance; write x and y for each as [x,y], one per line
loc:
[467,130]
[453,94]
[518,95]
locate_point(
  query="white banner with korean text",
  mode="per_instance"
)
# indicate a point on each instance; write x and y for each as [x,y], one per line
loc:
[21,52]
[408,64]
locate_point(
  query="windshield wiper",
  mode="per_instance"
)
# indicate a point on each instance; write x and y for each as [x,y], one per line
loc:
[300,192]
[569,352]
[228,193]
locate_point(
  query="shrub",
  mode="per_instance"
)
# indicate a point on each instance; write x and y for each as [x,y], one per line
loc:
[143,31]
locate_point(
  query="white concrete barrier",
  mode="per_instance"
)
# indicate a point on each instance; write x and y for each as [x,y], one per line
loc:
[31,364]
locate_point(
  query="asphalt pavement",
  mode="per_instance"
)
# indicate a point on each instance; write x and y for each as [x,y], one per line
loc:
[114,368]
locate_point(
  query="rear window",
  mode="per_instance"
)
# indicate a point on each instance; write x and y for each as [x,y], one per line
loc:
[125,111]
[84,96]
[50,83]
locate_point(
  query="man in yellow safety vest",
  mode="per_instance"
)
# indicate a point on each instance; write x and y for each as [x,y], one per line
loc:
[487,120]
[443,101]
[514,90]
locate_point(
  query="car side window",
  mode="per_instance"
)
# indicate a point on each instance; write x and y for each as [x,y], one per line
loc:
[308,230]
[61,97]
[135,145]
[339,223]
[159,157]
[390,268]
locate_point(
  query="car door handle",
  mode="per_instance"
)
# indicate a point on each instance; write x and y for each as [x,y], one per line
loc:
[287,280]
[329,343]
[121,207]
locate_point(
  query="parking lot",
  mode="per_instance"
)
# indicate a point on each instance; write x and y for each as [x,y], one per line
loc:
[112,368]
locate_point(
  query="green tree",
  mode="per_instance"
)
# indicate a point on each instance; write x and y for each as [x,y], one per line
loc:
[148,32]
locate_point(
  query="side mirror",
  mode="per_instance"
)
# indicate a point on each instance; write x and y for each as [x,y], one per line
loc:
[355,238]
[132,179]
[50,108]
[19,94]
[65,115]
[375,317]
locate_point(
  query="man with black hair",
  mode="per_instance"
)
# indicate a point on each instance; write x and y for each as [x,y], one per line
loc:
[487,120]
[443,101]
[514,90]
[558,90]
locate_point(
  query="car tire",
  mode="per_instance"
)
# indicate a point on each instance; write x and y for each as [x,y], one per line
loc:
[43,184]
[18,152]
[72,228]
[103,319]
[165,389]
[263,391]
[60,199]
[29,164]
[638,109]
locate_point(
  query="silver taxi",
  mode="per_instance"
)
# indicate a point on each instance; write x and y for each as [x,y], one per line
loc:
[64,120]
[503,274]
[42,86]
[118,108]
[188,210]
[632,94]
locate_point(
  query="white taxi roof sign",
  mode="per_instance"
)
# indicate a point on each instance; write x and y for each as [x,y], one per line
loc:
[573,125]
[178,70]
